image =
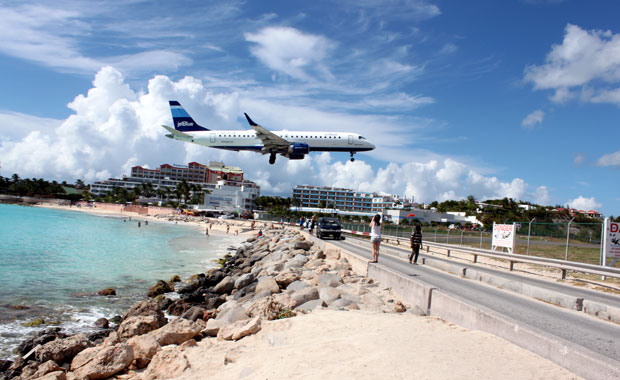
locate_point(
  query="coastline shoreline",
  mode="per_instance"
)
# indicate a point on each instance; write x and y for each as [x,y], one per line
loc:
[20,314]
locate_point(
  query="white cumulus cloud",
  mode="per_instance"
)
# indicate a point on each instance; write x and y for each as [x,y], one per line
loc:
[611,159]
[586,204]
[587,61]
[113,128]
[536,117]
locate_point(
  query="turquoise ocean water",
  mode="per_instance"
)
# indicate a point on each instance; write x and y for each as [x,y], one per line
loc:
[52,260]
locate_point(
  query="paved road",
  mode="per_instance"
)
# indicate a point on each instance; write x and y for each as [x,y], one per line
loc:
[577,327]
[592,295]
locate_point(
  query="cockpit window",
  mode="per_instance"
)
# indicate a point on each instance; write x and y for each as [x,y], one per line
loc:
[362,138]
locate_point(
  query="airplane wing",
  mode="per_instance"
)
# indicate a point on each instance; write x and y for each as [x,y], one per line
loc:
[178,135]
[271,141]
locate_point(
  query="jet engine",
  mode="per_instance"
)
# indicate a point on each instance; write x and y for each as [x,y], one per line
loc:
[297,151]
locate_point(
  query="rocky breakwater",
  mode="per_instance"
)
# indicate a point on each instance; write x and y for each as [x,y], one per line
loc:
[268,278]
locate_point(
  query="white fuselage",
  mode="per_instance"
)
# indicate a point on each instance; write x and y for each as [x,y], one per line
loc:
[316,141]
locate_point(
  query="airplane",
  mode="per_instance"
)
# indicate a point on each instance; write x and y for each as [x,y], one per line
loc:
[293,145]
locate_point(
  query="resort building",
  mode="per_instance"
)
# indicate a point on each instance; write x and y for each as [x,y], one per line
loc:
[347,199]
[193,172]
[228,191]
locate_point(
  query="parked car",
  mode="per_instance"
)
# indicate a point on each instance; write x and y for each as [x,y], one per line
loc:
[328,227]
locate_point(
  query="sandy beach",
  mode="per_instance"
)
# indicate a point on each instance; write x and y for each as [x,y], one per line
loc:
[357,344]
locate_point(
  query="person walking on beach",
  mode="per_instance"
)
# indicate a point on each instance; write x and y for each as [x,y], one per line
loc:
[416,244]
[227,228]
[375,237]
[207,231]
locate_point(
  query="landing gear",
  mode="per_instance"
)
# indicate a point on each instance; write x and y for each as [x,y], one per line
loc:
[352,159]
[272,158]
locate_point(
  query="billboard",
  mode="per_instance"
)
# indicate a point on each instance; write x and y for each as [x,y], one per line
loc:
[611,242]
[504,236]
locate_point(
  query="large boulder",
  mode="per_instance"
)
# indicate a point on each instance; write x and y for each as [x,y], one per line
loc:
[37,371]
[194,313]
[176,331]
[225,286]
[137,326]
[148,307]
[62,350]
[329,295]
[302,296]
[240,329]
[267,283]
[297,285]
[39,338]
[144,349]
[213,327]
[284,279]
[102,361]
[232,314]
[169,362]
[304,244]
[56,375]
[328,279]
[244,280]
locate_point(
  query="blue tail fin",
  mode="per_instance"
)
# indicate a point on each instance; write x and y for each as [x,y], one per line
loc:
[181,119]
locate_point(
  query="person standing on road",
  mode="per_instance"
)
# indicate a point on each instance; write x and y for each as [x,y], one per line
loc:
[312,224]
[416,244]
[375,237]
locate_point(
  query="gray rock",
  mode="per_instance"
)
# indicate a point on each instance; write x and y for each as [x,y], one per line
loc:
[314,263]
[268,283]
[311,305]
[62,350]
[301,258]
[340,304]
[304,244]
[224,286]
[329,295]
[297,285]
[213,326]
[233,314]
[263,294]
[302,296]
[244,280]
[329,279]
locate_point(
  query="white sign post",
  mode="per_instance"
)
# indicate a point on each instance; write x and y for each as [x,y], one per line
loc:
[504,235]
[611,242]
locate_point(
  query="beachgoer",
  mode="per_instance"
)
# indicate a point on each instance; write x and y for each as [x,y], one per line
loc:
[301,222]
[207,231]
[236,232]
[252,224]
[146,222]
[312,224]
[139,224]
[227,229]
[416,244]
[260,233]
[375,237]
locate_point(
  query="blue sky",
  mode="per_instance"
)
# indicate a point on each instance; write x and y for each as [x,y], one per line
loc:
[517,98]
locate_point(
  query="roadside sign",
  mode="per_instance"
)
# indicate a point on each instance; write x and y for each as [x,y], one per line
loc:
[504,236]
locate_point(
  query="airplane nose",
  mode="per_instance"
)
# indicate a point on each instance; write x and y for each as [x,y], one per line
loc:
[372,146]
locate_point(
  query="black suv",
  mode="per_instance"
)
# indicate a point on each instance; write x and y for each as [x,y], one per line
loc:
[328,227]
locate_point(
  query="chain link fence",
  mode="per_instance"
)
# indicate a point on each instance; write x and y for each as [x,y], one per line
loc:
[580,242]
